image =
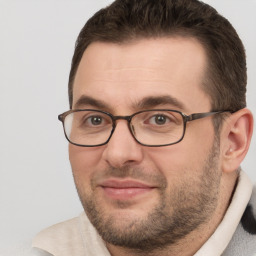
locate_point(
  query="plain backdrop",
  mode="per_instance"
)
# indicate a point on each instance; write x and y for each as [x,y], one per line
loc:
[37,39]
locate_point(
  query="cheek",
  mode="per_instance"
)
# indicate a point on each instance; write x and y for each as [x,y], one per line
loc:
[84,160]
[182,160]
[170,163]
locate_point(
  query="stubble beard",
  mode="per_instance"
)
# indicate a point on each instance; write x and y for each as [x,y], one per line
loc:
[190,205]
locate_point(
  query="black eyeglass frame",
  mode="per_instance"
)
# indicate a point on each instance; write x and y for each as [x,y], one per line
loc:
[186,118]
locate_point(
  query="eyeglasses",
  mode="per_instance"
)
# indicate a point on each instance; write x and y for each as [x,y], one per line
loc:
[152,128]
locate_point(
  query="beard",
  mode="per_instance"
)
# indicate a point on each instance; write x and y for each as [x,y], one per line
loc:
[176,214]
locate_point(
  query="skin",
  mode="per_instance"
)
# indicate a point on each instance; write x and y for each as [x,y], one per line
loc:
[174,178]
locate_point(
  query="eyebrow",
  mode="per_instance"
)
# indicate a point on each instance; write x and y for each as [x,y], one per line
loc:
[153,101]
[87,100]
[145,103]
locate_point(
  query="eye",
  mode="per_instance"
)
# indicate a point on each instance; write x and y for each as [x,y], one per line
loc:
[159,119]
[92,120]
[95,120]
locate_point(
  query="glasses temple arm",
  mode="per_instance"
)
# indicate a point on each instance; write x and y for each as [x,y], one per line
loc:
[202,115]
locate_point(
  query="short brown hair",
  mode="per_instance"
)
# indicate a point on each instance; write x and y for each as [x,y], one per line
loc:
[127,20]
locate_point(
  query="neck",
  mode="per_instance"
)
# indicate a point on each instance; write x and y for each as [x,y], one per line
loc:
[190,244]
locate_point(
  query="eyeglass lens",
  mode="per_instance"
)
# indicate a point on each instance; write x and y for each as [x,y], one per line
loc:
[153,127]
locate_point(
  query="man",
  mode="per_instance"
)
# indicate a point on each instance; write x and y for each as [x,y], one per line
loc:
[158,128]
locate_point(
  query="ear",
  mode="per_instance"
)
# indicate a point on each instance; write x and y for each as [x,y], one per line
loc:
[235,139]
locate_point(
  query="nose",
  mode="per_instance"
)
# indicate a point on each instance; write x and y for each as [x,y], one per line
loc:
[122,148]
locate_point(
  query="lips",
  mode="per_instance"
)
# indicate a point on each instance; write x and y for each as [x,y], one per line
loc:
[125,189]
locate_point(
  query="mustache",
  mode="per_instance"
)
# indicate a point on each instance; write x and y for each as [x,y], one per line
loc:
[136,173]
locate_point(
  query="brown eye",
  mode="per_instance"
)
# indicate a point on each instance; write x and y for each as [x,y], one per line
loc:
[160,119]
[95,120]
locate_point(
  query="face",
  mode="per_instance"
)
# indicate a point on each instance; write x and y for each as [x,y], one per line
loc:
[136,196]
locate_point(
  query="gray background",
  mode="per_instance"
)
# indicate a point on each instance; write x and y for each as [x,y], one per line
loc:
[37,41]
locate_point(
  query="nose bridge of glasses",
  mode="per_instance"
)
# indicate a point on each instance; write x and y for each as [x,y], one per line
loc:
[127,118]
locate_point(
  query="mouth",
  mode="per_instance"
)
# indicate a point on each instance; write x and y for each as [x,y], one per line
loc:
[125,189]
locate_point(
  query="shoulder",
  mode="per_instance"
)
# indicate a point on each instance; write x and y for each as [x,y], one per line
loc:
[61,239]
[243,241]
[64,229]
[76,236]
[23,249]
[248,220]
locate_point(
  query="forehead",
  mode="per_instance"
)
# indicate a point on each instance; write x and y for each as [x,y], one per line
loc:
[122,74]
